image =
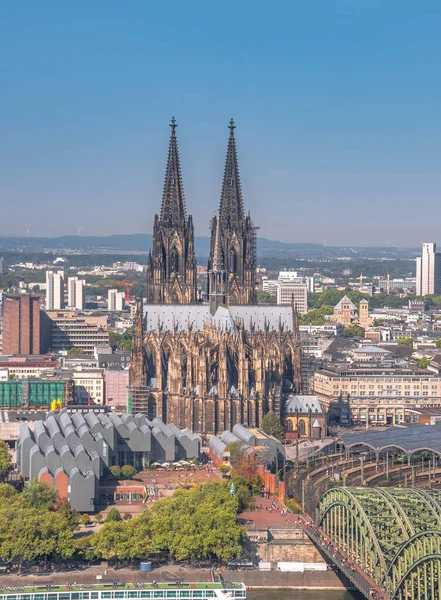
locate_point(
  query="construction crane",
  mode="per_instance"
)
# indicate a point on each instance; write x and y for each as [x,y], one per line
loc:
[127,285]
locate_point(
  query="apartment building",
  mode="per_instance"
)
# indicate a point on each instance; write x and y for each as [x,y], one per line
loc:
[76,293]
[293,292]
[68,330]
[377,394]
[428,271]
[54,290]
[115,300]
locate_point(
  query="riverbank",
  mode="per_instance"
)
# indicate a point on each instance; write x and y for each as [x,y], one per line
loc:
[258,580]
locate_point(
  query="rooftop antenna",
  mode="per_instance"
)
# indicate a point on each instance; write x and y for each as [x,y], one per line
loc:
[80,230]
[28,231]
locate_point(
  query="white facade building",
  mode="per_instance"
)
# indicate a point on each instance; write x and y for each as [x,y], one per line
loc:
[115,300]
[297,292]
[89,385]
[76,293]
[54,290]
[294,277]
[269,285]
[428,271]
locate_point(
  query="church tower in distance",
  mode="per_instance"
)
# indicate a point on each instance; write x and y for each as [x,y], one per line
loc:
[171,268]
[232,263]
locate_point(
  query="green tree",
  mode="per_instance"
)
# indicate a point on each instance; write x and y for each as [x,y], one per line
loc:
[116,471]
[84,547]
[122,340]
[198,523]
[113,540]
[405,341]
[38,495]
[240,463]
[5,460]
[8,494]
[423,362]
[128,471]
[113,515]
[265,297]
[438,342]
[69,514]
[271,425]
[140,534]
[316,316]
[74,351]
[353,331]
[99,518]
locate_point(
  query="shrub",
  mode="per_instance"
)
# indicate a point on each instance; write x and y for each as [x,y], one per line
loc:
[116,471]
[114,515]
[293,506]
[128,471]
[85,519]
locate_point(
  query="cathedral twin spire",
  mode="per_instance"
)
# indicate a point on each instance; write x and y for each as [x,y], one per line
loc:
[171,268]
[173,209]
[231,203]
[171,271]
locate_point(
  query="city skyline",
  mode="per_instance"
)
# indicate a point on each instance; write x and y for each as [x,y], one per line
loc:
[335,106]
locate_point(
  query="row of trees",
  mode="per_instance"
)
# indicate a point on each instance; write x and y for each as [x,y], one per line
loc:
[199,523]
[193,524]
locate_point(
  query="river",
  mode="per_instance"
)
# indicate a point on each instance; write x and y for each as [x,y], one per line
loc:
[302,595]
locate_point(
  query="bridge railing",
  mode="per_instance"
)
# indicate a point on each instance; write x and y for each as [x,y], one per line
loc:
[367,587]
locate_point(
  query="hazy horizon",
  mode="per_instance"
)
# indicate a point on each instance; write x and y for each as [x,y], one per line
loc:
[336,104]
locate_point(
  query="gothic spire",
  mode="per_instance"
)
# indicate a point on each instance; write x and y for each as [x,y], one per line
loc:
[231,203]
[173,210]
[218,263]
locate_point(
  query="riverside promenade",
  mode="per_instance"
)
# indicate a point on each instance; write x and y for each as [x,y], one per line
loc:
[328,580]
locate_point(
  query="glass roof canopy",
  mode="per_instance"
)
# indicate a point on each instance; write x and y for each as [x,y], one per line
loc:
[409,440]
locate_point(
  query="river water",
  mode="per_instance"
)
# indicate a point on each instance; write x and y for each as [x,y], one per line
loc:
[302,595]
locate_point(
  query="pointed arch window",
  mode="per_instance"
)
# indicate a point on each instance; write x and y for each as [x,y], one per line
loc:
[174,260]
[233,261]
[301,428]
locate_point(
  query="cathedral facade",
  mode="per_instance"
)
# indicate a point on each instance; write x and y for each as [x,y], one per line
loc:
[208,365]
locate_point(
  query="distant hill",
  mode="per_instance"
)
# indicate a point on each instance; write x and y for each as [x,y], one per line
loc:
[142,242]
[139,242]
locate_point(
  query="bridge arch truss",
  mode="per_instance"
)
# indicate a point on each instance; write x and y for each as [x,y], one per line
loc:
[393,534]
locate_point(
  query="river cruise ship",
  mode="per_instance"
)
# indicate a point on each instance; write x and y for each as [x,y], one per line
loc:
[140,591]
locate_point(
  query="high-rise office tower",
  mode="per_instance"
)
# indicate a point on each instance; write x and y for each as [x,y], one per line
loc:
[21,324]
[76,293]
[54,290]
[428,271]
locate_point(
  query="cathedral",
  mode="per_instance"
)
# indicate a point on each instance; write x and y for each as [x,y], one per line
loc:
[208,365]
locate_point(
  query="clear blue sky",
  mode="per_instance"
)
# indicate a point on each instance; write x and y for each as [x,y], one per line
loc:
[337,105]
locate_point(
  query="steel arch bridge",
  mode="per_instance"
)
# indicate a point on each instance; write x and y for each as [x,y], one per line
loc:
[393,534]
